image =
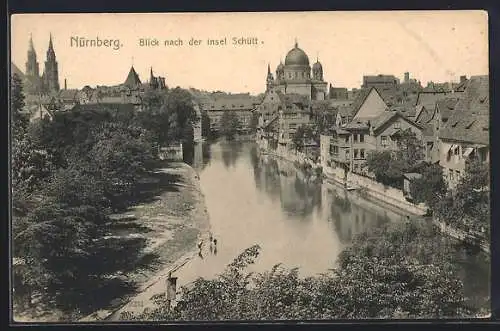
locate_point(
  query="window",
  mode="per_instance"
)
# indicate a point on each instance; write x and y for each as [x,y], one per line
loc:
[362,153]
[457,150]
[355,153]
[347,153]
[361,138]
[347,139]
[397,125]
[356,168]
[355,137]
[383,141]
[457,172]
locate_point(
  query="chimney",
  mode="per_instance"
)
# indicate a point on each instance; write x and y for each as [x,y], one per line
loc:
[65,84]
[407,77]
[463,79]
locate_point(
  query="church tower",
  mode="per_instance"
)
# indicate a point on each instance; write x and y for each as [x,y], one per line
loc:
[51,73]
[269,79]
[32,68]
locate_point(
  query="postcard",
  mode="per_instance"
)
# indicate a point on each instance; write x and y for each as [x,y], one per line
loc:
[250,166]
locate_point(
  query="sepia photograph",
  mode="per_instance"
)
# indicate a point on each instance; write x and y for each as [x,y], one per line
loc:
[264,166]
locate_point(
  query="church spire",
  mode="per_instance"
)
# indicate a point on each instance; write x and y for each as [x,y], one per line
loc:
[51,47]
[268,68]
[296,43]
[32,48]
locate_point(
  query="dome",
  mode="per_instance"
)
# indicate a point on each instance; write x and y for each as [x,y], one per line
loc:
[297,57]
[317,66]
[280,66]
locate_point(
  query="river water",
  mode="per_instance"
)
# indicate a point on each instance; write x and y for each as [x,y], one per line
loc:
[259,199]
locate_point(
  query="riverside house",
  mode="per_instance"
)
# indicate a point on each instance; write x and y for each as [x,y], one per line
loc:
[373,127]
[466,133]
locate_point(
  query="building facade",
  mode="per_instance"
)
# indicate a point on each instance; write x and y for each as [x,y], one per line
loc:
[296,76]
[465,135]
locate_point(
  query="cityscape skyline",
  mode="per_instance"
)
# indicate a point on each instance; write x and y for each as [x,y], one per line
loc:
[463,48]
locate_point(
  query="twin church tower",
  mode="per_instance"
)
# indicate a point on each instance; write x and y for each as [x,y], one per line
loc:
[49,81]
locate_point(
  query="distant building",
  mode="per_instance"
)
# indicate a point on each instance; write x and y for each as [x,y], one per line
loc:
[296,76]
[216,104]
[380,82]
[50,77]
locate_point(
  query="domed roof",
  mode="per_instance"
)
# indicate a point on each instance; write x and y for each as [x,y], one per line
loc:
[296,56]
[317,66]
[280,66]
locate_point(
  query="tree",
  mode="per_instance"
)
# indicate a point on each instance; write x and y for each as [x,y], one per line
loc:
[390,166]
[409,149]
[19,119]
[401,270]
[303,133]
[431,187]
[229,124]
[387,169]
[468,205]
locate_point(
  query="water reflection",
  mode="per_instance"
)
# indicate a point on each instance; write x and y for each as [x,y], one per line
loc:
[259,199]
[230,153]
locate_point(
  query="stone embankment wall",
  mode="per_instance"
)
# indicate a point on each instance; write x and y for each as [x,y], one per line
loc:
[461,235]
[375,190]
[290,155]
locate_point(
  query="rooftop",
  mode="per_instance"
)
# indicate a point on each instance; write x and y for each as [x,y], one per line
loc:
[469,121]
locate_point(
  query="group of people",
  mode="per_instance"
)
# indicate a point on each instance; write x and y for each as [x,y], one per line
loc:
[213,245]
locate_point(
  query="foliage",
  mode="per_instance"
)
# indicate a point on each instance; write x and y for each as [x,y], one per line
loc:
[403,270]
[168,116]
[468,205]
[431,187]
[229,125]
[19,119]
[390,166]
[67,172]
[387,169]
[302,134]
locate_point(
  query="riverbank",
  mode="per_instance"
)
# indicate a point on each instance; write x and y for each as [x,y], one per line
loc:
[168,219]
[374,190]
[175,220]
[365,186]
[461,235]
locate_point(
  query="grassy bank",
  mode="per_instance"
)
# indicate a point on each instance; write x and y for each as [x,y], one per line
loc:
[160,227]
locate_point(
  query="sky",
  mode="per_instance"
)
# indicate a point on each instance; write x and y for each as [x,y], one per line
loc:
[432,45]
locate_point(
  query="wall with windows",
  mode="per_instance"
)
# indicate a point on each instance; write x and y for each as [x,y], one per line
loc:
[454,155]
[289,122]
[384,140]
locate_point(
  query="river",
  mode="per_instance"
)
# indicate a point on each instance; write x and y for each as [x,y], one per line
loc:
[258,199]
